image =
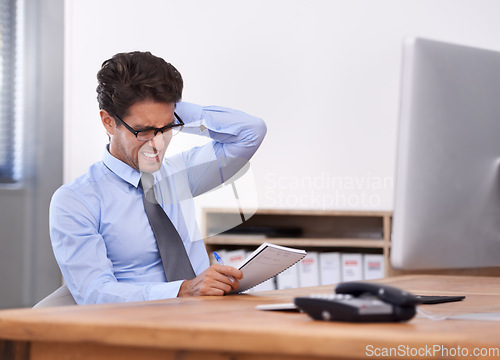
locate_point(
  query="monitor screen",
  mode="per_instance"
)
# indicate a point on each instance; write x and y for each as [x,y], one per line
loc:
[447,199]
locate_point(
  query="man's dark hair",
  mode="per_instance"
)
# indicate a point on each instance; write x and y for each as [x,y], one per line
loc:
[128,78]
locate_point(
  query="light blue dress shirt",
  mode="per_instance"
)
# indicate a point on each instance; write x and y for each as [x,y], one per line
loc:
[99,230]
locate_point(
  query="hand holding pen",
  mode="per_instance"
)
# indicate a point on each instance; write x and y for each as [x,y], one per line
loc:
[216,280]
[221,262]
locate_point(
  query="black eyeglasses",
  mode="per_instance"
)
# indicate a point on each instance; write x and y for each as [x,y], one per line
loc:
[149,133]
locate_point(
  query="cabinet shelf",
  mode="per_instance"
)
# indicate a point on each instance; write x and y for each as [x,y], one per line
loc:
[308,242]
[342,231]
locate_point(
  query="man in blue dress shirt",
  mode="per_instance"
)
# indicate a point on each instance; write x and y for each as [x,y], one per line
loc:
[100,233]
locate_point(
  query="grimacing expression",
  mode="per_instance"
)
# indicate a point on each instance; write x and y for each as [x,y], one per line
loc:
[145,156]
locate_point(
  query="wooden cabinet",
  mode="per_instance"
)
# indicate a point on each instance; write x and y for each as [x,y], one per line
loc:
[343,231]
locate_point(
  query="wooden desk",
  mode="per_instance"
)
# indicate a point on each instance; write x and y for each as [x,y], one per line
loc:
[230,328]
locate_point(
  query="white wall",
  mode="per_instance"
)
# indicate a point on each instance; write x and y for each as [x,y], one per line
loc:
[324,75]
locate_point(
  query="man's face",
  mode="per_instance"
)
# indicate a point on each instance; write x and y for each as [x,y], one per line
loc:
[145,156]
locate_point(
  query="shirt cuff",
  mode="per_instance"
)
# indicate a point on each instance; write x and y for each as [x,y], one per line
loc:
[188,112]
[168,290]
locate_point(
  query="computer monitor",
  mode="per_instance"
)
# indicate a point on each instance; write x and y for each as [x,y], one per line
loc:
[447,198]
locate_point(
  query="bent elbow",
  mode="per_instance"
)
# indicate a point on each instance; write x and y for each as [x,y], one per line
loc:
[260,129]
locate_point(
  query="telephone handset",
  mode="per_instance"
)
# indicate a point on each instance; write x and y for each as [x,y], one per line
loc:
[360,302]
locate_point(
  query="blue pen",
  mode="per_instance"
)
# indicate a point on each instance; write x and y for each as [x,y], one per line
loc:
[219,260]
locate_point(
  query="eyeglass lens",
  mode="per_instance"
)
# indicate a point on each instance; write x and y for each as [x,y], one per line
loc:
[149,134]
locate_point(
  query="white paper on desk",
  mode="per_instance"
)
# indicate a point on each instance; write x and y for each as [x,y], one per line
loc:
[494,316]
[267,261]
[487,316]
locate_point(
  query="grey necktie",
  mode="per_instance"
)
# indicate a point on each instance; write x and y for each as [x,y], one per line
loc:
[172,251]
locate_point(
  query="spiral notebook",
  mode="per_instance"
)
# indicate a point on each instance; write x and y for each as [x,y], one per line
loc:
[267,261]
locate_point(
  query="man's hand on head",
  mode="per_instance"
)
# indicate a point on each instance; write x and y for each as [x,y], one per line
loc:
[216,280]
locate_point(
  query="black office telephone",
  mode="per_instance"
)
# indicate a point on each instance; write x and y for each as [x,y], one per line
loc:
[360,302]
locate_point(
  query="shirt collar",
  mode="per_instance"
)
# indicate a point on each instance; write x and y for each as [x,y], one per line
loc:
[120,169]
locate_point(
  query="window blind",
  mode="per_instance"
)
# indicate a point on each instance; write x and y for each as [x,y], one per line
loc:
[9,146]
